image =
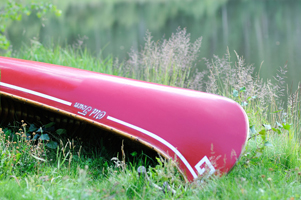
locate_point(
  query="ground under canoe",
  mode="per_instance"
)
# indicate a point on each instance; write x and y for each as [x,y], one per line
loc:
[205,133]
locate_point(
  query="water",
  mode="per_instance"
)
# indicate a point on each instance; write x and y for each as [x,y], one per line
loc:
[260,31]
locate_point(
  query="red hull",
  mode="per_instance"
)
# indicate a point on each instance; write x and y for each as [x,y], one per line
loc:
[202,131]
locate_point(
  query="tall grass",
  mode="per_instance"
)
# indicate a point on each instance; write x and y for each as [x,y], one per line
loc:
[174,62]
[72,56]
[269,167]
[168,62]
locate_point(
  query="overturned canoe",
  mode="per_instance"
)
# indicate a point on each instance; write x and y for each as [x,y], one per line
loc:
[205,133]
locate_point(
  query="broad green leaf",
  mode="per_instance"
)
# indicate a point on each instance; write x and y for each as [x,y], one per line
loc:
[58,13]
[36,136]
[134,153]
[242,89]
[268,144]
[50,129]
[235,93]
[252,129]
[49,125]
[39,14]
[286,126]
[263,132]
[244,103]
[75,158]
[27,12]
[2,27]
[32,128]
[40,130]
[278,124]
[52,145]
[18,156]
[267,126]
[251,98]
[4,43]
[44,137]
[19,17]
[60,131]
[277,130]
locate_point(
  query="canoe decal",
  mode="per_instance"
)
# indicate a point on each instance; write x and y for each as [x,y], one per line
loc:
[96,113]
[208,163]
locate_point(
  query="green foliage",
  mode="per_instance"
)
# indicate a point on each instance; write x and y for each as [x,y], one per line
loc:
[269,167]
[275,174]
[72,57]
[26,149]
[18,152]
[13,11]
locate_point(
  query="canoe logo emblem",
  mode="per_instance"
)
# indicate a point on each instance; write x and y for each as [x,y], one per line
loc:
[204,165]
[95,113]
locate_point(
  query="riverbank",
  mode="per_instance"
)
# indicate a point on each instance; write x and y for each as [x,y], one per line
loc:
[269,168]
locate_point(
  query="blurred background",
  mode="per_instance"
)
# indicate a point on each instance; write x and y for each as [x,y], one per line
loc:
[267,31]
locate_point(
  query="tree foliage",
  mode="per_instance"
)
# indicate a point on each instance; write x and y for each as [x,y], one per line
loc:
[13,11]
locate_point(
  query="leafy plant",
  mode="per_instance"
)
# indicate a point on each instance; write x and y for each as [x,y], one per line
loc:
[238,94]
[42,133]
[19,152]
[13,11]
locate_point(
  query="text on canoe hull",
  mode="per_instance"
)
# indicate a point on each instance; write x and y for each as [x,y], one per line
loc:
[94,112]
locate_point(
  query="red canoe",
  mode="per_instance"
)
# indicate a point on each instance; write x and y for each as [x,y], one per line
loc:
[205,133]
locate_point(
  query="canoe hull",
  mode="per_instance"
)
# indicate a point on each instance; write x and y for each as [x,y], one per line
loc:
[205,133]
